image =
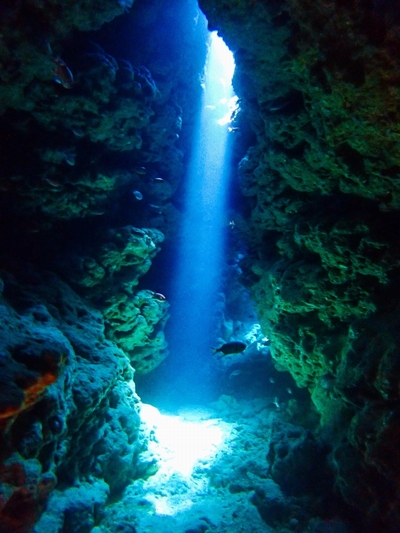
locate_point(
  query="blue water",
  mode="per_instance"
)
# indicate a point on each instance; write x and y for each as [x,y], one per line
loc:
[195,297]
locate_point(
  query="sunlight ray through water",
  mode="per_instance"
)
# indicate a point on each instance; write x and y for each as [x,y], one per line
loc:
[197,279]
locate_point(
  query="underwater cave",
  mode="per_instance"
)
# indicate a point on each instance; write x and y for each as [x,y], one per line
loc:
[199,266]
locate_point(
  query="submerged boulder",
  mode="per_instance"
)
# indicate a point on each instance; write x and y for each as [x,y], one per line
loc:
[68,410]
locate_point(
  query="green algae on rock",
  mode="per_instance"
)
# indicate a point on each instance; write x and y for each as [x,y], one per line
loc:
[318,84]
[109,276]
[136,325]
[115,263]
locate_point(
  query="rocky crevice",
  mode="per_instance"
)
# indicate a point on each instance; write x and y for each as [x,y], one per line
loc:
[318,86]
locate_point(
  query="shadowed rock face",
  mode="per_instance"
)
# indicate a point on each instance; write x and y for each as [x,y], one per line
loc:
[64,393]
[75,239]
[319,90]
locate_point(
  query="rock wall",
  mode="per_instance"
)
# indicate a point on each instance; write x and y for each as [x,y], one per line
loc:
[93,140]
[318,84]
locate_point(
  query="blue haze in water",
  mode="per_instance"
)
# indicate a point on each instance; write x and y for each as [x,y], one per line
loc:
[196,279]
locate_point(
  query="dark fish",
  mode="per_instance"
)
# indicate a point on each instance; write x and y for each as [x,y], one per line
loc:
[62,73]
[231,347]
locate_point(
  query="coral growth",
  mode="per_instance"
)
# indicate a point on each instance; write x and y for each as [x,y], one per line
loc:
[57,424]
[319,94]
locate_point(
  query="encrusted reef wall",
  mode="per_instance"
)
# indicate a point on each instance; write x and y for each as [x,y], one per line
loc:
[318,83]
[93,140]
[68,406]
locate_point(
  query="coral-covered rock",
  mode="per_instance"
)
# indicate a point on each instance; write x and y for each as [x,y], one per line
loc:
[74,509]
[25,491]
[64,196]
[65,399]
[109,274]
[100,107]
[136,325]
[318,89]
[26,55]
[34,354]
[115,264]
[74,153]
[297,462]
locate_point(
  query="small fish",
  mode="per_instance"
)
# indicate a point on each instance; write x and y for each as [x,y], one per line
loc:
[48,47]
[231,347]
[235,373]
[140,170]
[138,231]
[78,132]
[63,74]
[159,296]
[53,183]
[96,213]
[232,224]
[157,208]
[138,195]
[271,380]
[157,180]
[289,390]
[69,156]
[33,229]
[276,402]
[278,107]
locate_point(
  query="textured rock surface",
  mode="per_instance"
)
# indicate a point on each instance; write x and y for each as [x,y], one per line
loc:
[87,163]
[69,409]
[136,325]
[318,89]
[108,275]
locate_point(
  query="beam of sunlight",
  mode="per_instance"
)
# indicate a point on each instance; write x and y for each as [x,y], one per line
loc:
[197,277]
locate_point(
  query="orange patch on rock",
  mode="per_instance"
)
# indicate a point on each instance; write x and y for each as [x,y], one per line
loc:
[37,389]
[33,392]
